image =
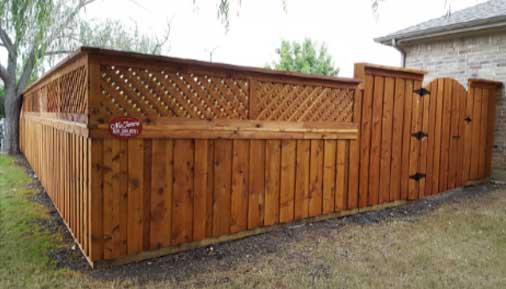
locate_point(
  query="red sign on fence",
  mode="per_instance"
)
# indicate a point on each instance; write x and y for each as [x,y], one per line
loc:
[125,127]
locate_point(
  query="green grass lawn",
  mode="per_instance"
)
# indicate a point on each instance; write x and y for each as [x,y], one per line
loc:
[460,244]
[24,245]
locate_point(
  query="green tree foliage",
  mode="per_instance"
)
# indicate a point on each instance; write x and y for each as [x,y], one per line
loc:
[305,57]
[34,32]
[115,34]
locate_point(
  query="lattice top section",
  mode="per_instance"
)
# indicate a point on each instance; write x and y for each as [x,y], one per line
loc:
[153,93]
[150,93]
[295,102]
[64,94]
[95,85]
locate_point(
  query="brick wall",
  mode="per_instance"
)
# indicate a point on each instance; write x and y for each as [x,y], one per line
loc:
[477,56]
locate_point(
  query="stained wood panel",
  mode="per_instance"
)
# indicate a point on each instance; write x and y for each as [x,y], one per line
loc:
[316,178]
[365,140]
[256,202]
[240,178]
[375,156]
[161,193]
[287,185]
[398,120]
[301,202]
[272,178]
[183,191]
[406,139]
[386,140]
[329,176]
[433,88]
[222,187]
[135,195]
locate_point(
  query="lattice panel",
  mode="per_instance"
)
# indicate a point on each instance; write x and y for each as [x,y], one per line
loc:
[72,91]
[151,93]
[67,94]
[289,102]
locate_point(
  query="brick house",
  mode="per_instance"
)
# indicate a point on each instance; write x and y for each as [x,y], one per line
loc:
[470,43]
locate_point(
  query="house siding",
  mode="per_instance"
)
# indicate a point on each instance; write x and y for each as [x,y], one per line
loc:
[463,58]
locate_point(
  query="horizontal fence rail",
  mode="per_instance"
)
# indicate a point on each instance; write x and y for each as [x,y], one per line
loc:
[227,151]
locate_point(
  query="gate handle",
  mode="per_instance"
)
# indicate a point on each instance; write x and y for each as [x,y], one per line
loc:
[468,119]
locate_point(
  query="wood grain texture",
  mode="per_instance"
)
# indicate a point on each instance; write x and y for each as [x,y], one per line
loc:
[222,187]
[375,159]
[287,179]
[256,204]
[240,186]
[301,202]
[183,192]
[272,178]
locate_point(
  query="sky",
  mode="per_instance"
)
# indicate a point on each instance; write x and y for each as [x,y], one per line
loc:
[258,26]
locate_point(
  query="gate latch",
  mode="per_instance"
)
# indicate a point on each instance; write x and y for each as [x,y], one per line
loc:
[468,119]
[422,91]
[419,135]
[416,177]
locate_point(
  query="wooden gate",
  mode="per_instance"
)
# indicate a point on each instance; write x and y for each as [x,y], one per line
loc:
[442,149]
[451,137]
[479,129]
[417,141]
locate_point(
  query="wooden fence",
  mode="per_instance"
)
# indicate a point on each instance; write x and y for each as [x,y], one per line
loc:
[228,151]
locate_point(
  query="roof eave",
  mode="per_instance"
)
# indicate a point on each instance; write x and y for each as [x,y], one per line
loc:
[449,30]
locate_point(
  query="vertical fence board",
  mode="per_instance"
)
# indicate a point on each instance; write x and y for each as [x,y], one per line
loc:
[375,159]
[414,157]
[341,175]
[95,221]
[483,134]
[108,199]
[365,140]
[316,178]
[460,140]
[424,143]
[491,113]
[222,186]
[398,119]
[386,140]
[240,173]
[431,137]
[256,183]
[329,176]
[475,138]
[182,203]
[161,193]
[135,195]
[302,179]
[201,192]
[287,184]
[272,174]
[438,137]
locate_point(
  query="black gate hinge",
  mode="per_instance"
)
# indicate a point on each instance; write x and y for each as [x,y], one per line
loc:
[416,177]
[419,135]
[422,91]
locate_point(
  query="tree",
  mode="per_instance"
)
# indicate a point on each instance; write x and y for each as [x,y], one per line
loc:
[112,34]
[29,29]
[305,57]
[118,35]
[36,31]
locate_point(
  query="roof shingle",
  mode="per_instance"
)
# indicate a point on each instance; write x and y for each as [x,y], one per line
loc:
[487,10]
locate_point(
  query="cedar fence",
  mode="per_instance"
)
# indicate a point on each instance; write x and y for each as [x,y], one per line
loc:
[227,151]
